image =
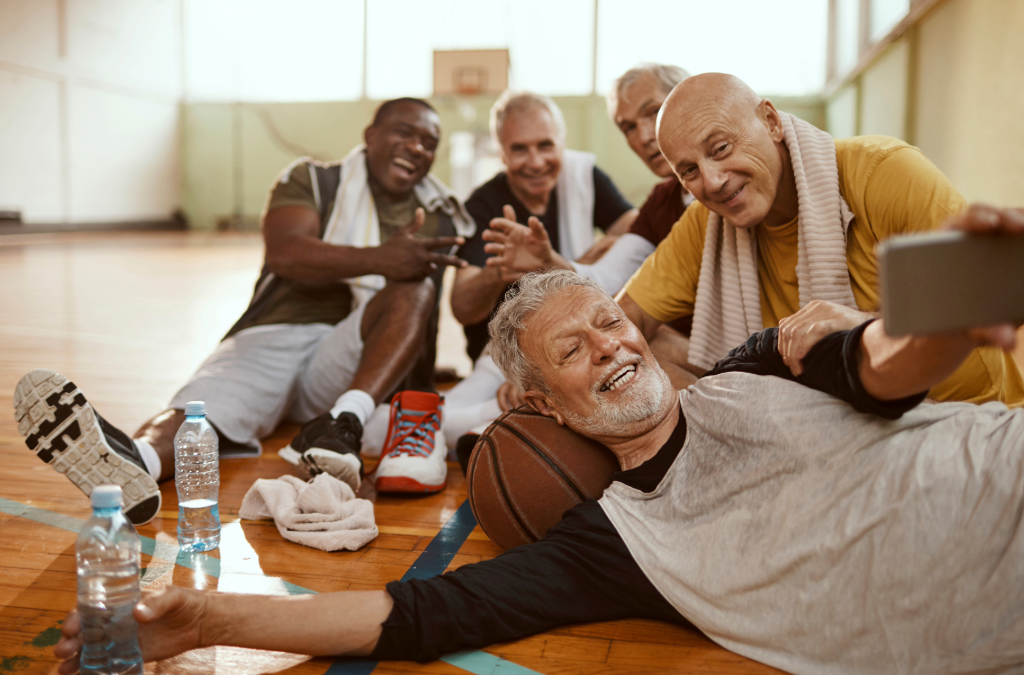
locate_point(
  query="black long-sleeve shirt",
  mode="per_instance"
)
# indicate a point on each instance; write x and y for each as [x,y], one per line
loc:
[581,571]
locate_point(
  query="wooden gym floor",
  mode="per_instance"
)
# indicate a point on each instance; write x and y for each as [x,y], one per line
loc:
[128,317]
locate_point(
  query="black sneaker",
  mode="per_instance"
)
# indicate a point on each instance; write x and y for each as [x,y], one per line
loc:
[464,450]
[64,431]
[328,445]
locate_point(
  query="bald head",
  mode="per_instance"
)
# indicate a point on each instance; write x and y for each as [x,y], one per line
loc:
[719,89]
[725,144]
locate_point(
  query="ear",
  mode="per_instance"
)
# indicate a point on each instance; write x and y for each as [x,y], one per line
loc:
[542,404]
[370,135]
[772,120]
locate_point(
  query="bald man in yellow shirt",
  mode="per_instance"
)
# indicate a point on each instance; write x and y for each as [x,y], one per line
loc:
[782,238]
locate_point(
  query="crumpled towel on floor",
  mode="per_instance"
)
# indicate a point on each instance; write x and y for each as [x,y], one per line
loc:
[323,513]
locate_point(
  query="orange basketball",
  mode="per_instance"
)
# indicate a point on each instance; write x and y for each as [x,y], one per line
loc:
[527,470]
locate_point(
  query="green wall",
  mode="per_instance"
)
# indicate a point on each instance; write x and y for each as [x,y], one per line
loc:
[232,152]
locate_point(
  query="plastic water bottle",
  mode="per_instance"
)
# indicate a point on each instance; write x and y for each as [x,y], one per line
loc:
[107,552]
[197,477]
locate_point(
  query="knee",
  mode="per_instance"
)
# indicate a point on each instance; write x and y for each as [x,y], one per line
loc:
[405,301]
[416,297]
[424,293]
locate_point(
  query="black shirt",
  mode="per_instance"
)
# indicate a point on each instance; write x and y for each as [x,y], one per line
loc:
[581,571]
[488,201]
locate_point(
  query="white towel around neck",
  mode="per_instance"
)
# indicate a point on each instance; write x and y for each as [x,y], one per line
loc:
[354,222]
[576,194]
[728,304]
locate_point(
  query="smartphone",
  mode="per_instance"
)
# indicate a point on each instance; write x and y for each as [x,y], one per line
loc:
[948,281]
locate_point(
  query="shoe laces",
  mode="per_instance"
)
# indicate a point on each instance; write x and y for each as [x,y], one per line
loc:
[411,434]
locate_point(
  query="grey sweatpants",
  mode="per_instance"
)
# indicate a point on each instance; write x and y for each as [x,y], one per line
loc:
[264,375]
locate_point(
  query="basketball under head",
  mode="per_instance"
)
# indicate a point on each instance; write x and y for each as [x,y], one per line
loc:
[527,470]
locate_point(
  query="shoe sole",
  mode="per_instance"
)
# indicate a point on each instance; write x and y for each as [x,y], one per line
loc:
[60,427]
[344,467]
[405,484]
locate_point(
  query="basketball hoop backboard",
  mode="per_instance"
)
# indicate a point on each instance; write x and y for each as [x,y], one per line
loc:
[470,71]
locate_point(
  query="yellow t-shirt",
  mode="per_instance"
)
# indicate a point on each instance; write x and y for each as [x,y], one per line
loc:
[892,189]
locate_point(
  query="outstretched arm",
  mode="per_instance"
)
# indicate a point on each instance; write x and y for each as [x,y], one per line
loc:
[175,620]
[580,571]
[890,368]
[865,367]
[894,368]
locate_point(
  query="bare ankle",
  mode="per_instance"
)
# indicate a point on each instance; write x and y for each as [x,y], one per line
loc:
[159,432]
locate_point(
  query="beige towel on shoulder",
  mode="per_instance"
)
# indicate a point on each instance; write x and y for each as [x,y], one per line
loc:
[728,305]
[323,513]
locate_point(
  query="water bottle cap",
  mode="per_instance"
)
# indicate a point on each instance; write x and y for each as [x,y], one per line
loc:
[193,408]
[106,496]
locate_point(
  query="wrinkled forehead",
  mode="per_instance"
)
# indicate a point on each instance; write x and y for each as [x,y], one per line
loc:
[528,124]
[644,88]
[562,313]
[687,124]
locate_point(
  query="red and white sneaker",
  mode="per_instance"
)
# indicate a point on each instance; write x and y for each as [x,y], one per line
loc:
[413,457]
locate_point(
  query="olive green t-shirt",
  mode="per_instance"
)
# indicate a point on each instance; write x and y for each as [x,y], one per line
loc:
[294,302]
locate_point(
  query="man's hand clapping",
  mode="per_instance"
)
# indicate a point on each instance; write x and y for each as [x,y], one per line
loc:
[404,257]
[520,249]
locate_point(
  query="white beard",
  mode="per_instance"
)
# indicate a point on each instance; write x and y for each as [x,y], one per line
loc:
[646,397]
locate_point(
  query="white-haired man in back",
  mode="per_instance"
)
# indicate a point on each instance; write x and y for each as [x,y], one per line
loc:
[563,194]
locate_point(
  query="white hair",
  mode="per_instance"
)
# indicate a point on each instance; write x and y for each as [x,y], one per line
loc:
[532,291]
[667,76]
[512,101]
[522,300]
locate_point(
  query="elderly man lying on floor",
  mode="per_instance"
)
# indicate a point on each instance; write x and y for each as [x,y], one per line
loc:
[821,522]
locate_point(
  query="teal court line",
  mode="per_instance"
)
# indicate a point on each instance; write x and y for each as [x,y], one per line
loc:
[199,562]
[476,662]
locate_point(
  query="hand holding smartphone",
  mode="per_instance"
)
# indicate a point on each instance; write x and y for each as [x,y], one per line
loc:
[968,276]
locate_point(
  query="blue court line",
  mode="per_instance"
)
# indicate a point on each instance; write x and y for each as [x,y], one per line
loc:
[442,548]
[199,562]
[432,562]
[482,663]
